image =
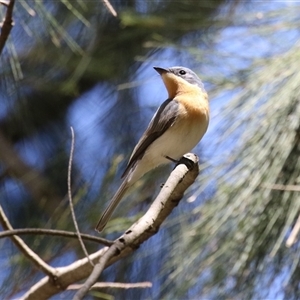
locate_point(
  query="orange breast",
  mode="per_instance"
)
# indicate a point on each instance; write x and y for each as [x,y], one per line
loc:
[194,105]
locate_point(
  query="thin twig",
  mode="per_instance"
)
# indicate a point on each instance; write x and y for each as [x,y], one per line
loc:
[54,232]
[114,285]
[110,7]
[292,238]
[282,187]
[32,256]
[7,23]
[70,197]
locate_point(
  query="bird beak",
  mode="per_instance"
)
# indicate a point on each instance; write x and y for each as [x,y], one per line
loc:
[160,71]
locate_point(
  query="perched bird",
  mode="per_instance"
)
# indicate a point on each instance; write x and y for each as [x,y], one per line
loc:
[176,128]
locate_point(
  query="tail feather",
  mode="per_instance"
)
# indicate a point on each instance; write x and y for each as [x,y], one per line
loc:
[112,206]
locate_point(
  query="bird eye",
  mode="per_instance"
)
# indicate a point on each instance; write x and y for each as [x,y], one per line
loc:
[182,72]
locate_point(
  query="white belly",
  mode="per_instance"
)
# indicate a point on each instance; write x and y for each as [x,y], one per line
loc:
[175,142]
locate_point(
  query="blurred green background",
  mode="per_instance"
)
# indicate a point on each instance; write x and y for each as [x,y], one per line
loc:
[73,63]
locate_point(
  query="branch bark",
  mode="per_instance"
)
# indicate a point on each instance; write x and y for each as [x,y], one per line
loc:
[54,232]
[172,192]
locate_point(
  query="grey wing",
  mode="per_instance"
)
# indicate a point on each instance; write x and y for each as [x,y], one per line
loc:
[164,117]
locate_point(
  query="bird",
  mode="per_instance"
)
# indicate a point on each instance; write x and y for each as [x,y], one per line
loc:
[175,129]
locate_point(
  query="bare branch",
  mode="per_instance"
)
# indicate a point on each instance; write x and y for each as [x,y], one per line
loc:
[282,187]
[7,23]
[76,271]
[54,232]
[32,256]
[5,3]
[292,238]
[110,7]
[115,285]
[171,193]
[148,225]
[70,197]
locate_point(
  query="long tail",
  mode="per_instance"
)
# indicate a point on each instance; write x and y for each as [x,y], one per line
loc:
[112,205]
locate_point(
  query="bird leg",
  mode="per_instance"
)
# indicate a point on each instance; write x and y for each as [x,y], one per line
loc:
[171,159]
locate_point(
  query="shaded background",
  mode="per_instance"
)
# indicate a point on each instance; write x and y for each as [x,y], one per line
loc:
[72,63]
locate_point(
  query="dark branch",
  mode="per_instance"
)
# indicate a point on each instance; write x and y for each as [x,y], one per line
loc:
[7,24]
